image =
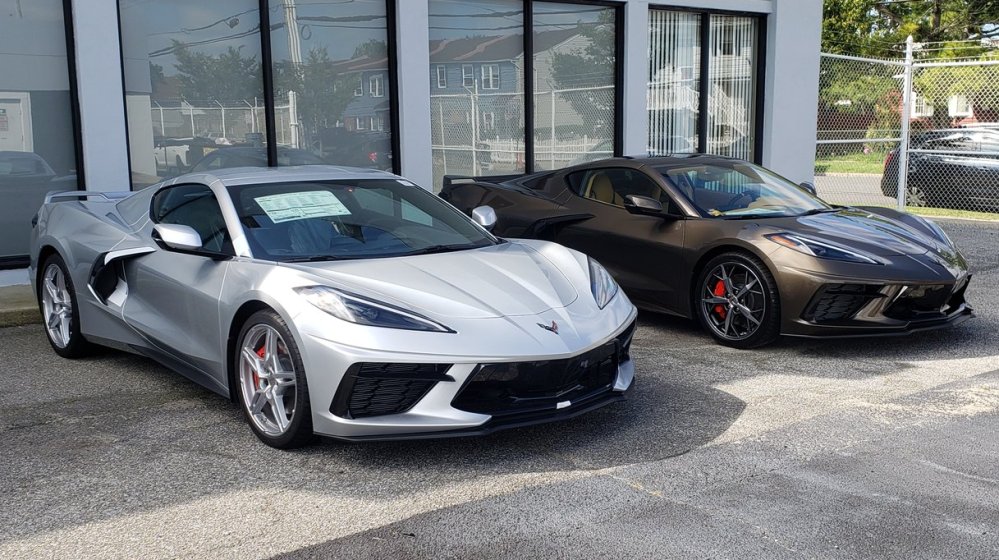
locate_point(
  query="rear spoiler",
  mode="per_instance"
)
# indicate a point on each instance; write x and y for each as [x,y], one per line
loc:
[466,179]
[76,195]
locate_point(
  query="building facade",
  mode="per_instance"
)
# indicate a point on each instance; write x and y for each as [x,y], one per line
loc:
[110,95]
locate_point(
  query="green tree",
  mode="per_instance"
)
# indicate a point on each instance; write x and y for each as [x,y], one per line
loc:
[229,76]
[879,27]
[590,67]
[323,92]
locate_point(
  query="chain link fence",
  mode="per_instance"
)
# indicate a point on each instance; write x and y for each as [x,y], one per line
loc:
[185,131]
[478,133]
[913,134]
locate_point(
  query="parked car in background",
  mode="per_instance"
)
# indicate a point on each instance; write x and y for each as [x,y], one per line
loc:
[356,149]
[949,168]
[25,178]
[344,302]
[744,251]
[247,156]
[24,166]
[175,155]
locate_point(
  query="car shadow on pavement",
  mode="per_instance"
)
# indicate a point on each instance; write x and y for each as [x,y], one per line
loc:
[947,343]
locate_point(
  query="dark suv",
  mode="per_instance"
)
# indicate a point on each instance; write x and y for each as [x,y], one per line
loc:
[949,168]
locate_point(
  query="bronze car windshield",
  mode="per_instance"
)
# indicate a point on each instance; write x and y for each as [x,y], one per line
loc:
[735,189]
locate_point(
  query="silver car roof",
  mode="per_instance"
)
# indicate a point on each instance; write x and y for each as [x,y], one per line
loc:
[255,175]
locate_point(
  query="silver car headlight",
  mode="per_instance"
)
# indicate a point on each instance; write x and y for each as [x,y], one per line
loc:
[602,285]
[821,249]
[356,309]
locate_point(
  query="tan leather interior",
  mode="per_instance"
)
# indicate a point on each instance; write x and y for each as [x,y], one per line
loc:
[601,189]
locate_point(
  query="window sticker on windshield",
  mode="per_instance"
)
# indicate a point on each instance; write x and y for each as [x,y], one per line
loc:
[288,207]
[406,183]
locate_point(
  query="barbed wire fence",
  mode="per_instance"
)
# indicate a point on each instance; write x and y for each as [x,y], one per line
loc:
[919,134]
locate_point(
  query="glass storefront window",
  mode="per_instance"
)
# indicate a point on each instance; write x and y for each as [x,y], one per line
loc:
[675,96]
[575,60]
[477,87]
[674,93]
[331,81]
[37,146]
[732,86]
[193,86]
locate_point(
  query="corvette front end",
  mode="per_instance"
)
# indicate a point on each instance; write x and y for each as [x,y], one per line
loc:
[377,394]
[909,293]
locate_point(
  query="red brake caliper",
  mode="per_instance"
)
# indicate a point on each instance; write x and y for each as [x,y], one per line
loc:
[256,378]
[720,292]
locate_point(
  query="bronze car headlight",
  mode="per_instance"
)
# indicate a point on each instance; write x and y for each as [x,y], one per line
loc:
[362,311]
[602,285]
[821,249]
[937,230]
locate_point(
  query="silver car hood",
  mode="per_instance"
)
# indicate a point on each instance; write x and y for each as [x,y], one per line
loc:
[509,279]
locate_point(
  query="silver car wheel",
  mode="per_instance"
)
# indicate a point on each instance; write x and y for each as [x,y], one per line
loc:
[733,301]
[267,379]
[917,198]
[57,306]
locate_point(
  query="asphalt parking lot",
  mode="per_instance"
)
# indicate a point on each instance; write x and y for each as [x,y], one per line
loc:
[880,448]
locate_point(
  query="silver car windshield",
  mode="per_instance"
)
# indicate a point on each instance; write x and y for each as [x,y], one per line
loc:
[332,220]
[733,190]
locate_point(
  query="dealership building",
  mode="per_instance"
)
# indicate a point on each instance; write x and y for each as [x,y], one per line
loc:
[112,95]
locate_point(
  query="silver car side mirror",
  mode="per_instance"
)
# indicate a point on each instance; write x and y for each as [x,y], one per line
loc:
[485,216]
[178,237]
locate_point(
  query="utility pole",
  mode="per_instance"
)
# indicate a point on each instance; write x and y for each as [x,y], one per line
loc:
[295,52]
[294,35]
[903,145]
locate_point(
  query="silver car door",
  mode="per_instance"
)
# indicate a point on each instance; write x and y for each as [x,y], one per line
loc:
[174,294]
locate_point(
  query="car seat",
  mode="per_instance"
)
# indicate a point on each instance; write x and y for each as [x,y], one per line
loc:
[601,189]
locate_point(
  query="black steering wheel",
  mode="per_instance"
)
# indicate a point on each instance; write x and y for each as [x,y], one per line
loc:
[730,204]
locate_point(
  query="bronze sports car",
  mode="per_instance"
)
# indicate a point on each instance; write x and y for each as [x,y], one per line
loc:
[748,253]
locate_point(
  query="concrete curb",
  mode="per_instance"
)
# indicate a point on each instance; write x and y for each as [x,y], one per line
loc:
[18,306]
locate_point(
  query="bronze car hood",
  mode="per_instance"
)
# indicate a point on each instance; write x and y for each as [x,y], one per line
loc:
[869,232]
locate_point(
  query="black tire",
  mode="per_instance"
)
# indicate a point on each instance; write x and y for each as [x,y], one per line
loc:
[709,314]
[76,346]
[299,430]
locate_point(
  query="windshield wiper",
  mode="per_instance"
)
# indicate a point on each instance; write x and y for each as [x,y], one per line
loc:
[441,249]
[815,211]
[754,216]
[314,258]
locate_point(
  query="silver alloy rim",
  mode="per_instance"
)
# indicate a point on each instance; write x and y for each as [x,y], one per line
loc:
[916,198]
[733,301]
[267,379]
[57,306]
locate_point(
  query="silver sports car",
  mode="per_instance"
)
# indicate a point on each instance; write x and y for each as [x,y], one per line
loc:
[342,302]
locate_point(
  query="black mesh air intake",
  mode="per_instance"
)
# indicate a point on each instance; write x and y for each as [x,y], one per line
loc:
[502,389]
[375,389]
[838,302]
[927,301]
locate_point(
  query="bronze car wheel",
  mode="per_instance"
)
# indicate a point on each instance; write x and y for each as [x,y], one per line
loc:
[737,301]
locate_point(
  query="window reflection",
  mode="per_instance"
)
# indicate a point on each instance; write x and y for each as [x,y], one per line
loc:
[331,80]
[732,93]
[575,59]
[674,94]
[477,87]
[193,83]
[37,149]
